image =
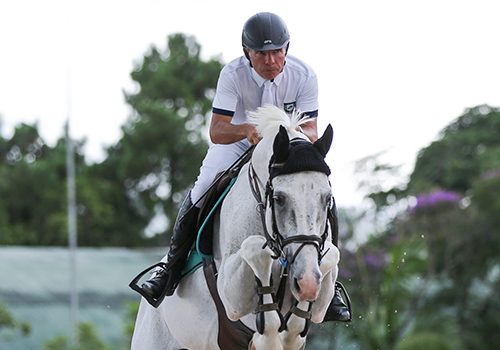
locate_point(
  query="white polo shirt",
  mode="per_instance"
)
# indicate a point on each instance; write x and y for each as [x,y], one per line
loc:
[240,89]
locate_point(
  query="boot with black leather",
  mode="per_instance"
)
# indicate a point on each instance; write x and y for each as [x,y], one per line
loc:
[338,310]
[165,281]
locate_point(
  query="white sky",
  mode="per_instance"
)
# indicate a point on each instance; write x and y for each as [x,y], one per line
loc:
[392,74]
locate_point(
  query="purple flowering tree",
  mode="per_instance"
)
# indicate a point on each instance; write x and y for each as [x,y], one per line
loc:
[430,270]
[430,200]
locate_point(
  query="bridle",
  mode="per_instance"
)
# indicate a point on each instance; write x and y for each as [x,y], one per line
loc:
[277,243]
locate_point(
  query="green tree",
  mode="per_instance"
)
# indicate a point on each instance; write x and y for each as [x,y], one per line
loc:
[9,324]
[157,159]
[145,175]
[88,339]
[385,275]
[452,216]
[32,188]
[106,215]
[455,181]
[468,148]
[430,266]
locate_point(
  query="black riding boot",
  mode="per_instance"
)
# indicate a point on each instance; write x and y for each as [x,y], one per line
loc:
[183,236]
[338,310]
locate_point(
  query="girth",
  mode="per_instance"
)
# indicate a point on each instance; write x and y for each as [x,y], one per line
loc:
[232,335]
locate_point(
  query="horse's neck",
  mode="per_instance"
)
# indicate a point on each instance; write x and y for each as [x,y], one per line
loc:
[238,209]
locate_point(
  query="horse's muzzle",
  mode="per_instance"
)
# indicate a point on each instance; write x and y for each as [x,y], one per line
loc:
[305,280]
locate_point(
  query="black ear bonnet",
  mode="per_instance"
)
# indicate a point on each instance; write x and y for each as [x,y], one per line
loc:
[299,155]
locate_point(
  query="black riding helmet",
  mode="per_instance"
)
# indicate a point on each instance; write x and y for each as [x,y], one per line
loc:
[265,31]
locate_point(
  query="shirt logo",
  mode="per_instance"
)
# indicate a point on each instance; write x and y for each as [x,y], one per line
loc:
[289,107]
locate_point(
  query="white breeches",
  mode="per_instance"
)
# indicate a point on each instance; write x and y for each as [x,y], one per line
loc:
[218,158]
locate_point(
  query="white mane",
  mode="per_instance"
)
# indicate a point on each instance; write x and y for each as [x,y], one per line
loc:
[267,121]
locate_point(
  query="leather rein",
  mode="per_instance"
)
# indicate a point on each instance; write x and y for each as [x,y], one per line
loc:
[277,243]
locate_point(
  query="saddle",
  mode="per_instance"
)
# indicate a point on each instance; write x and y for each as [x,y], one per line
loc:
[213,197]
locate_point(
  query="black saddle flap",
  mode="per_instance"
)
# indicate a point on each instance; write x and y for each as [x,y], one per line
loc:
[205,240]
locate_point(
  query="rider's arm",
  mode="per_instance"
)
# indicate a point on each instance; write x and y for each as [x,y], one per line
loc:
[222,131]
[307,101]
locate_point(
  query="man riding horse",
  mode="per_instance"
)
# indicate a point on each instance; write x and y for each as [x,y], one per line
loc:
[265,74]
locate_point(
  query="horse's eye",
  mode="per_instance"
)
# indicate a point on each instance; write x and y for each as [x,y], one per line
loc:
[279,199]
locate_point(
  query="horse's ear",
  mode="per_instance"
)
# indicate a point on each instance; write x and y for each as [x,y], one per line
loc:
[324,142]
[281,147]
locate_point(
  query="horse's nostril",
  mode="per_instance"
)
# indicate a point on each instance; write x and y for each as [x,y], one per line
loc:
[296,284]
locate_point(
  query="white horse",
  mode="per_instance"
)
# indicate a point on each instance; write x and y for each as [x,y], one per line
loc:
[294,224]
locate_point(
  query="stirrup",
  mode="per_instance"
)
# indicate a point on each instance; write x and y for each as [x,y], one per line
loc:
[155,302]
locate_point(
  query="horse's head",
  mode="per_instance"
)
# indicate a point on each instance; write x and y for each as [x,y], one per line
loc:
[299,197]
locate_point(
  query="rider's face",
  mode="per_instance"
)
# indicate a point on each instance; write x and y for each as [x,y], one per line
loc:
[268,63]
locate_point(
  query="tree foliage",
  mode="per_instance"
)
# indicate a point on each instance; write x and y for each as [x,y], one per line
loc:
[431,275]
[468,149]
[462,234]
[144,176]
[9,324]
[163,142]
[88,339]
[32,188]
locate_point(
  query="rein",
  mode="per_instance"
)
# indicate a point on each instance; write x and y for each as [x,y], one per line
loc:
[277,243]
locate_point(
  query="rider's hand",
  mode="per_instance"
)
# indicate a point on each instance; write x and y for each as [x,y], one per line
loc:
[252,135]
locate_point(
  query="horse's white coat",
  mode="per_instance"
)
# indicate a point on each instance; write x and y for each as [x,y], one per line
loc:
[188,319]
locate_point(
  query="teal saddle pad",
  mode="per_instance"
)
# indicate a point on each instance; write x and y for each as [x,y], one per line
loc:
[194,260]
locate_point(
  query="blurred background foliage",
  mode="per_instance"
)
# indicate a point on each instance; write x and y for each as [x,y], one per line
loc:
[131,198]
[421,261]
[427,275]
